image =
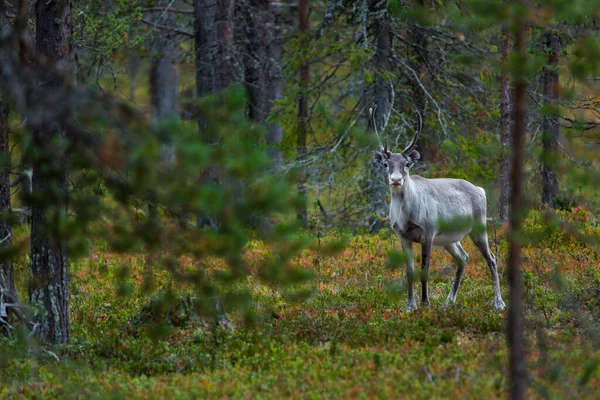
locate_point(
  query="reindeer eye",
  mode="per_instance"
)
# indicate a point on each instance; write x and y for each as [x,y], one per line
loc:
[385,165]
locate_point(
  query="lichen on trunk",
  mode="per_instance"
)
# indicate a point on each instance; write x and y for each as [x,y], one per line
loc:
[48,283]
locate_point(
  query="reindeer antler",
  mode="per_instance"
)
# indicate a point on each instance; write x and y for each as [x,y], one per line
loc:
[381,146]
[413,142]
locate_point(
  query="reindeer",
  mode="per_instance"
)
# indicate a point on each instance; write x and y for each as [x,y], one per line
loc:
[434,212]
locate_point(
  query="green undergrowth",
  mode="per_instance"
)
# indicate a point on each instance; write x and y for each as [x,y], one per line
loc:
[349,337]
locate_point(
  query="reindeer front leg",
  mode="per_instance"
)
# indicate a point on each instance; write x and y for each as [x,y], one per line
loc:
[426,245]
[410,273]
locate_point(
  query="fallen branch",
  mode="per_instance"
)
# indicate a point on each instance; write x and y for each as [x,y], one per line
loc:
[51,354]
[13,307]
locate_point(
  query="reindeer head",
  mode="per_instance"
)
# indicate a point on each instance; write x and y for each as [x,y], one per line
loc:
[397,164]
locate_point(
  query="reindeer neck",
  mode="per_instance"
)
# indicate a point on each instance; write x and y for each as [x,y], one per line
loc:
[406,194]
[403,205]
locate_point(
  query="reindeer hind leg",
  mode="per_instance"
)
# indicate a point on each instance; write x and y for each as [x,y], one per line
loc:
[482,244]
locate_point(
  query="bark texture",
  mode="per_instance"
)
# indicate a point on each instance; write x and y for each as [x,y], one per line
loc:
[6,270]
[262,57]
[214,30]
[163,74]
[515,334]
[377,192]
[163,78]
[550,138]
[420,50]
[255,57]
[48,286]
[274,79]
[304,73]
[214,39]
[504,129]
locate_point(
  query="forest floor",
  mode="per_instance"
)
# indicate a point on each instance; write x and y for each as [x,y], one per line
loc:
[351,338]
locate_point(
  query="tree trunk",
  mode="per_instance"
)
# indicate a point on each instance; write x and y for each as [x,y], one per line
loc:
[213,22]
[6,271]
[258,35]
[504,129]
[274,86]
[515,334]
[133,68]
[550,138]
[255,58]
[304,73]
[214,49]
[48,286]
[163,75]
[377,192]
[224,25]
[421,54]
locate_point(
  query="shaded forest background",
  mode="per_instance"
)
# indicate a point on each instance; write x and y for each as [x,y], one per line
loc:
[313,90]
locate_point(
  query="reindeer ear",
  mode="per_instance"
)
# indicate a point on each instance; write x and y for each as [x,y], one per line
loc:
[378,156]
[413,157]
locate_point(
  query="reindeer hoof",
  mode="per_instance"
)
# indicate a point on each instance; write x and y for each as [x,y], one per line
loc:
[499,305]
[411,306]
[450,300]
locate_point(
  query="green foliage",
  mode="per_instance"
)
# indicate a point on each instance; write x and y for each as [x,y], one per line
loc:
[573,228]
[104,31]
[471,158]
[128,197]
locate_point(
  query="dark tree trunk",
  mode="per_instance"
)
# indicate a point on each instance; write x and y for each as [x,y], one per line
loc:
[48,286]
[255,58]
[258,38]
[224,25]
[504,129]
[6,271]
[214,49]
[550,138]
[274,86]
[515,334]
[377,192]
[214,28]
[163,74]
[205,14]
[304,73]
